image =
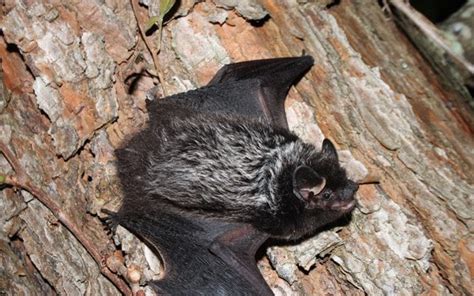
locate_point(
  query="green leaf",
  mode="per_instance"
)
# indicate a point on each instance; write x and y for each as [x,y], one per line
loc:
[151,22]
[2,179]
[165,7]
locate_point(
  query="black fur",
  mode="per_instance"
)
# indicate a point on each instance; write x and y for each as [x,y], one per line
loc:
[216,172]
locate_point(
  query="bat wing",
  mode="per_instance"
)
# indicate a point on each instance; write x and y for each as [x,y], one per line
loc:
[184,244]
[255,89]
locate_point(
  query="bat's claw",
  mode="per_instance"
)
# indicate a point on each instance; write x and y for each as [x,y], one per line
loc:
[110,221]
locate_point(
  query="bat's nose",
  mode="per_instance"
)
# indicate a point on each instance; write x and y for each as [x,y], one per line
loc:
[350,189]
[354,187]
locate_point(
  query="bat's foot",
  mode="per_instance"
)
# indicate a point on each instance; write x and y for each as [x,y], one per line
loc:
[111,221]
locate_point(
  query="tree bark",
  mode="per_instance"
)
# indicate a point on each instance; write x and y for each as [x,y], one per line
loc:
[75,76]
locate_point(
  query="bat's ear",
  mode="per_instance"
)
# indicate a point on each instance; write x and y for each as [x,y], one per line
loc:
[328,151]
[307,183]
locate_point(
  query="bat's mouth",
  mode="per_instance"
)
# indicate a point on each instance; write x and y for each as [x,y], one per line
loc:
[344,206]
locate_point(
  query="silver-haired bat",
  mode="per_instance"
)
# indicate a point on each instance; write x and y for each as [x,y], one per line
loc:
[216,172]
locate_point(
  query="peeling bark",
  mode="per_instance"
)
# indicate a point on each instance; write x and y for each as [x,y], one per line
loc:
[75,77]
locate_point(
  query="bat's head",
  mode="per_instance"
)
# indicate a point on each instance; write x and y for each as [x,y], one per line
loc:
[327,190]
[321,193]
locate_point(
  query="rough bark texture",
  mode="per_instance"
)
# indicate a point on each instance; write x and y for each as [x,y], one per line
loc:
[69,97]
[446,52]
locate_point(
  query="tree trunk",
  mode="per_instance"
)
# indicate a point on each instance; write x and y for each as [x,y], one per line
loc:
[75,77]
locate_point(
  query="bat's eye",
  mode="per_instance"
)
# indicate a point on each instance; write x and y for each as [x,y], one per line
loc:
[326,195]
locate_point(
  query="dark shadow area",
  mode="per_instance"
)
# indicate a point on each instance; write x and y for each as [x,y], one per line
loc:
[14,49]
[151,30]
[132,80]
[334,3]
[172,11]
[437,11]
[259,23]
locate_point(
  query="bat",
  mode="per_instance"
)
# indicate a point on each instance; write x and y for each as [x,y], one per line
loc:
[216,172]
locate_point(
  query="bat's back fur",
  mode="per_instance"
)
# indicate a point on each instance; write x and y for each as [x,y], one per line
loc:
[227,166]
